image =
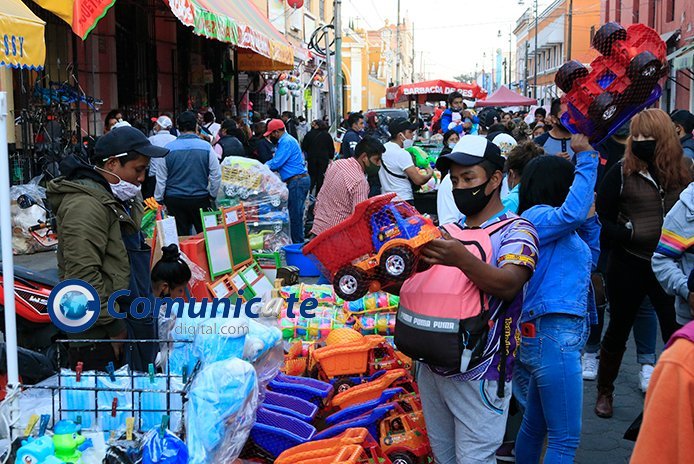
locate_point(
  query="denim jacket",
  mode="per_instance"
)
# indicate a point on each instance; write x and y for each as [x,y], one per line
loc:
[569,248]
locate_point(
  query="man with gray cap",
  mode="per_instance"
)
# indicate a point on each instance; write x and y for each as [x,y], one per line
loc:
[162,136]
[189,179]
[98,209]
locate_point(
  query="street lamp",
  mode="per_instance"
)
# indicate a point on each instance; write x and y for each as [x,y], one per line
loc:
[522,2]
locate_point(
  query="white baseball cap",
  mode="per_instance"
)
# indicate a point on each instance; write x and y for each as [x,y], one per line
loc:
[164,122]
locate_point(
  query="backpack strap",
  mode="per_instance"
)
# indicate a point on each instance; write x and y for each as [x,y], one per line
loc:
[392,173]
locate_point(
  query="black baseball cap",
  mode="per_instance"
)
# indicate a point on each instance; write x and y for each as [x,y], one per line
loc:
[121,140]
[400,125]
[470,151]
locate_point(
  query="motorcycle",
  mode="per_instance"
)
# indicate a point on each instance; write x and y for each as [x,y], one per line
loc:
[36,334]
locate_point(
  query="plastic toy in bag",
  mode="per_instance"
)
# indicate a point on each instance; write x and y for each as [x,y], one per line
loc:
[220,411]
[261,337]
[163,448]
[375,246]
[37,450]
[227,340]
[622,81]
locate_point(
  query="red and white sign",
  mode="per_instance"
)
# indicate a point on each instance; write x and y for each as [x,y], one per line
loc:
[437,89]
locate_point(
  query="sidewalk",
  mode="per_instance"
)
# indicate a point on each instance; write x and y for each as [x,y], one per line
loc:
[601,439]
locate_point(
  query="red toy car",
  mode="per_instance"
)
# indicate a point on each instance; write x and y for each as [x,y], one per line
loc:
[378,243]
[621,82]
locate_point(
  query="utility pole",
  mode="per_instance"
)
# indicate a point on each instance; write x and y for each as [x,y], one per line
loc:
[509,56]
[535,56]
[412,75]
[338,60]
[397,49]
[525,74]
[568,42]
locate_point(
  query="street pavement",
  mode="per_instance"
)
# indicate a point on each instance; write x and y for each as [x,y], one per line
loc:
[601,439]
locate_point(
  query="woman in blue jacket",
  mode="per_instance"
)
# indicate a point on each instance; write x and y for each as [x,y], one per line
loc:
[559,305]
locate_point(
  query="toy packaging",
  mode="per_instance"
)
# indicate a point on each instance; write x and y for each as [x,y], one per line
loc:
[264,197]
[622,81]
[377,245]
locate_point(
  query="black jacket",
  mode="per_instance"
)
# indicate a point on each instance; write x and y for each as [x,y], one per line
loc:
[231,146]
[318,145]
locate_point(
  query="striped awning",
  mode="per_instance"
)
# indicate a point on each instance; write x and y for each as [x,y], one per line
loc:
[237,22]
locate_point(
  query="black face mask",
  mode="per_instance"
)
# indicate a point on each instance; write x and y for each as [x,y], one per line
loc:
[644,150]
[471,201]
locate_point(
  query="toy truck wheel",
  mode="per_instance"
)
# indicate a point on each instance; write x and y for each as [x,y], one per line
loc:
[342,385]
[402,458]
[397,263]
[606,36]
[350,283]
[604,109]
[645,67]
[568,74]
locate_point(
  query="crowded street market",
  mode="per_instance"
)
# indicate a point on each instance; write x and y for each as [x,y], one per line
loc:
[346,231]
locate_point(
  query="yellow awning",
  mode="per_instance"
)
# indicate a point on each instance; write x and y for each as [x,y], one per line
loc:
[22,44]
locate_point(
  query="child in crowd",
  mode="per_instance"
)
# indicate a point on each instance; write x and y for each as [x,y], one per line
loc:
[559,306]
[516,161]
[170,277]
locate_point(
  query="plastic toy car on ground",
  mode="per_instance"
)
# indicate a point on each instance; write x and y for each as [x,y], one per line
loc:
[402,435]
[377,244]
[621,82]
[353,446]
[344,364]
[373,389]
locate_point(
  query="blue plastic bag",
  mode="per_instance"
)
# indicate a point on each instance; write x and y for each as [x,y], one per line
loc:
[164,448]
[221,411]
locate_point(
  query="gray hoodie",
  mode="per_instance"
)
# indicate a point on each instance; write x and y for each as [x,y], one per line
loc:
[673,260]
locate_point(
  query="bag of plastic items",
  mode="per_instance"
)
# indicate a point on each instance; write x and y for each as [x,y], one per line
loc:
[163,448]
[226,341]
[264,197]
[221,411]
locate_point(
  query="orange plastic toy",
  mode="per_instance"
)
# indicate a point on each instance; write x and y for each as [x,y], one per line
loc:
[372,390]
[378,244]
[344,364]
[403,439]
[353,446]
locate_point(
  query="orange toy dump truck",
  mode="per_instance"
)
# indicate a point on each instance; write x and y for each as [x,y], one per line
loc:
[345,364]
[354,446]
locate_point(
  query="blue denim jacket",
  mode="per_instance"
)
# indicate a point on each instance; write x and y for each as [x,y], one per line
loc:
[569,248]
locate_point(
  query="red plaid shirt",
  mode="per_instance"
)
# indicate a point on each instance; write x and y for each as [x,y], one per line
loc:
[344,187]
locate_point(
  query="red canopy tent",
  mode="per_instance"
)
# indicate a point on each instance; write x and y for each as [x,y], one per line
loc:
[506,97]
[432,91]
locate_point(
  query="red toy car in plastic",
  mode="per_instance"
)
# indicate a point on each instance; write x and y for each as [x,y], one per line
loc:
[622,80]
[378,243]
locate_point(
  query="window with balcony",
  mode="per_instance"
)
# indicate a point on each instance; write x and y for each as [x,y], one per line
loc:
[618,11]
[635,14]
[607,11]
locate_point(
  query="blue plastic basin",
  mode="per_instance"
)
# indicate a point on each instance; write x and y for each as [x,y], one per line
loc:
[295,257]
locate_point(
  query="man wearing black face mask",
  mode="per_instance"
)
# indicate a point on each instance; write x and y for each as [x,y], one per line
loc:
[465,407]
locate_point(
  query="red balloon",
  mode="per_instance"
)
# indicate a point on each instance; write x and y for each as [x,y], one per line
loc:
[295,3]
